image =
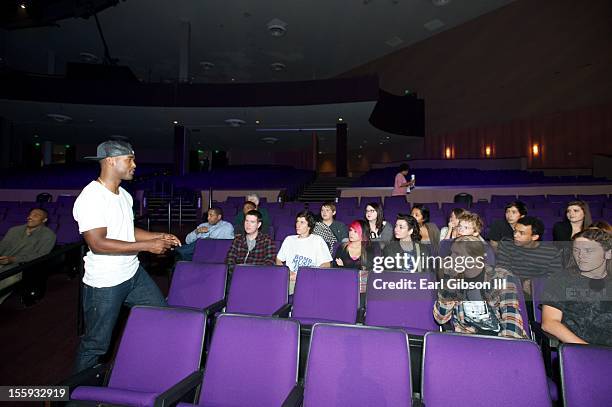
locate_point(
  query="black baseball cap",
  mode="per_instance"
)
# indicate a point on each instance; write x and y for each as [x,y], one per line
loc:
[111,148]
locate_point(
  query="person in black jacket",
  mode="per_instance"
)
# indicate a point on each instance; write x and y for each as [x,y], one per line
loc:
[577,219]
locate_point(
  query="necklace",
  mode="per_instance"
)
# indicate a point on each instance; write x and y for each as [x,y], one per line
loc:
[106,186]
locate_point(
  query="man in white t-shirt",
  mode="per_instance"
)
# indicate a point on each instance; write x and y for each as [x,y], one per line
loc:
[304,249]
[113,275]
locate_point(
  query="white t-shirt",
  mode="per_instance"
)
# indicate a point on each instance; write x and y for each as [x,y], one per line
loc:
[97,207]
[311,251]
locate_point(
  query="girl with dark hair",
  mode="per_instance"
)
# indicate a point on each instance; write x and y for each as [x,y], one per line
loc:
[406,245]
[577,219]
[430,234]
[577,302]
[450,231]
[378,229]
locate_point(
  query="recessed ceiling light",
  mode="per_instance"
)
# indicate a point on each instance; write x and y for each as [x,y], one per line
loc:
[277,28]
[269,140]
[206,65]
[340,119]
[89,58]
[59,118]
[175,122]
[278,66]
[22,5]
[256,121]
[234,122]
[433,25]
[394,42]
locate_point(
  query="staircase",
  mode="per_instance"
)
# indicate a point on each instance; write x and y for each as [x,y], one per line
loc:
[181,209]
[324,189]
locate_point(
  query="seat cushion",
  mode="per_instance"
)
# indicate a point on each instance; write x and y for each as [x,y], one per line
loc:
[114,396]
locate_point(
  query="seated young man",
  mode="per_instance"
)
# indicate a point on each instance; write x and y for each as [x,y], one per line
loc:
[492,309]
[253,246]
[469,224]
[214,228]
[24,243]
[577,302]
[526,255]
[265,216]
[504,229]
[239,218]
[304,249]
[329,228]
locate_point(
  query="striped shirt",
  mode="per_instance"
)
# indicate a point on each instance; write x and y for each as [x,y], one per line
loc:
[505,304]
[542,260]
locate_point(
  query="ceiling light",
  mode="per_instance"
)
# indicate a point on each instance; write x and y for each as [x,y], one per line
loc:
[340,119]
[256,121]
[269,140]
[277,28]
[440,2]
[234,122]
[278,66]
[22,5]
[88,57]
[175,122]
[59,118]
[433,25]
[207,66]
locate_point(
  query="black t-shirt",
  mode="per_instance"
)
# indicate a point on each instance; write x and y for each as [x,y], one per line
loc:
[586,305]
[500,229]
[343,254]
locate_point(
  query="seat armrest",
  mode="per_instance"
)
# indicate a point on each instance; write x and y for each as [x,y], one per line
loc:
[361,315]
[548,343]
[295,397]
[93,376]
[215,308]
[179,390]
[283,312]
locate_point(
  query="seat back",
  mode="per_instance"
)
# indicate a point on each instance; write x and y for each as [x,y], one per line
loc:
[258,290]
[211,250]
[326,294]
[410,308]
[585,375]
[487,370]
[159,348]
[357,366]
[251,361]
[197,285]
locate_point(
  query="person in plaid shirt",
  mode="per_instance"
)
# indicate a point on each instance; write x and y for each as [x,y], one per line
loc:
[252,247]
[487,311]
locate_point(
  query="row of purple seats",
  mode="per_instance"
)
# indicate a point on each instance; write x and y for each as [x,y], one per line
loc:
[261,354]
[65,233]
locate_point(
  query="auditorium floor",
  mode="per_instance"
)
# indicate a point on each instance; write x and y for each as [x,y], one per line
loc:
[38,343]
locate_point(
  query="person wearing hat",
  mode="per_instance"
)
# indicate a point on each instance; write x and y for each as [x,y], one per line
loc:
[476,298]
[113,274]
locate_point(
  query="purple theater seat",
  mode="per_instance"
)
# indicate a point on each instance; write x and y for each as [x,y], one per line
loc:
[283,230]
[447,207]
[253,361]
[357,366]
[211,250]
[533,201]
[17,215]
[562,199]
[159,348]
[593,198]
[326,295]
[499,201]
[197,285]
[258,290]
[585,375]
[410,310]
[68,233]
[351,202]
[488,370]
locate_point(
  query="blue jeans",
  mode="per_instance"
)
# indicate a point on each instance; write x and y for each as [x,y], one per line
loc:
[101,308]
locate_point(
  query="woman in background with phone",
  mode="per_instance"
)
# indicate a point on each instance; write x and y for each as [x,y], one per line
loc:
[401,185]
